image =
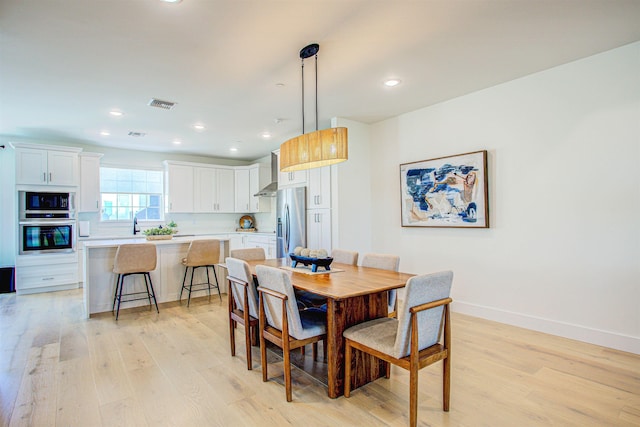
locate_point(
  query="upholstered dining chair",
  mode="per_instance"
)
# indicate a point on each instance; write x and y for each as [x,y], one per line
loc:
[384,262]
[201,253]
[243,304]
[130,259]
[248,254]
[412,341]
[282,324]
[342,256]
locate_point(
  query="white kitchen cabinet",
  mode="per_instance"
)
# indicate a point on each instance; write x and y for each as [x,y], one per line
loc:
[242,197]
[179,187]
[37,166]
[203,189]
[46,273]
[250,180]
[250,240]
[319,229]
[290,179]
[225,190]
[319,188]
[89,182]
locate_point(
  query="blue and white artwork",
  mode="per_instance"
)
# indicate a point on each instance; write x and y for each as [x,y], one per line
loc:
[446,192]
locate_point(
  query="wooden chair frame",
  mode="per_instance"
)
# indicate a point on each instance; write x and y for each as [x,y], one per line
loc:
[241,316]
[416,359]
[281,338]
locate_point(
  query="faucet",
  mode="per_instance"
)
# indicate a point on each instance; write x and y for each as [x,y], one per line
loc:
[136,230]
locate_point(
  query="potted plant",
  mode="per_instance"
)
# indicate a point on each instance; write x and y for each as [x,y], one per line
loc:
[160,232]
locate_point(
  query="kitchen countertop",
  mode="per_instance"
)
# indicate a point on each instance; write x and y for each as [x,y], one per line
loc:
[176,236]
[177,240]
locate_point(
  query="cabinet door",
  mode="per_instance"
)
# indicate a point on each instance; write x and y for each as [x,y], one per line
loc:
[62,168]
[319,229]
[31,166]
[180,188]
[291,179]
[242,199]
[225,190]
[203,189]
[89,184]
[319,188]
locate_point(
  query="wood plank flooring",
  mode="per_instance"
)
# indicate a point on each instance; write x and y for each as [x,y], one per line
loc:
[175,369]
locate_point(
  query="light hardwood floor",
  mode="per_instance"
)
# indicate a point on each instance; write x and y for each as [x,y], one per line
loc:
[175,369]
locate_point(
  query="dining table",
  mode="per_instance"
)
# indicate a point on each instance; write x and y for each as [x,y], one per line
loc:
[354,295]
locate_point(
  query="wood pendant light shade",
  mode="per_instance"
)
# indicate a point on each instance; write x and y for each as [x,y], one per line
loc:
[314,149]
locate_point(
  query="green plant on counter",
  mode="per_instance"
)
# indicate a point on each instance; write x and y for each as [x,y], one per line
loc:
[162,231]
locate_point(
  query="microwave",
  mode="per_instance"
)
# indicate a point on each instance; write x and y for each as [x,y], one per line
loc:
[38,205]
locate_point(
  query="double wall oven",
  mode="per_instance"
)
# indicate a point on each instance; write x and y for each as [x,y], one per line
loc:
[46,222]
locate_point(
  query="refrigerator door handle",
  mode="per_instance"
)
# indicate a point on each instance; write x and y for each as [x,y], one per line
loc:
[287,229]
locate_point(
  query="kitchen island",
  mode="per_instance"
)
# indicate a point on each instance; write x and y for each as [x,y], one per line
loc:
[99,279]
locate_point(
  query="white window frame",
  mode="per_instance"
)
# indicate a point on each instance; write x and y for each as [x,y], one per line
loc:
[128,220]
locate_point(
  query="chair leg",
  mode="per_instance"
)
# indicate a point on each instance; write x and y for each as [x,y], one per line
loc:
[184,281]
[190,286]
[287,367]
[314,348]
[206,269]
[120,294]
[115,293]
[387,368]
[215,276]
[413,396]
[232,335]
[247,342]
[446,386]
[153,293]
[263,355]
[347,369]
[147,286]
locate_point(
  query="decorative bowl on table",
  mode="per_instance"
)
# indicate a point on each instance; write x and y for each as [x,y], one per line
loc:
[313,262]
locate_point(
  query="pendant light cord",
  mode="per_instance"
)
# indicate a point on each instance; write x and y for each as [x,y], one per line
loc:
[302,59]
[316,91]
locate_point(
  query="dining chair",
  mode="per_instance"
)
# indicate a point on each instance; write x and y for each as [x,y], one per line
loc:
[248,254]
[130,259]
[243,304]
[201,253]
[342,256]
[384,262]
[282,324]
[412,341]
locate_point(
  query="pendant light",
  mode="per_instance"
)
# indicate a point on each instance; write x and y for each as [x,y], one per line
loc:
[314,149]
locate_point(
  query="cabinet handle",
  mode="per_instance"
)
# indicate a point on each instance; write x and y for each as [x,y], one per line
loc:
[50,177]
[44,177]
[170,206]
[97,204]
[47,278]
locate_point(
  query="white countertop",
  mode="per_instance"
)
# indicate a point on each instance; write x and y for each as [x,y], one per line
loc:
[177,240]
[177,236]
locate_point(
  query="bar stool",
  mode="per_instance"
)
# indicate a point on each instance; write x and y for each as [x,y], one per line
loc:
[134,259]
[201,253]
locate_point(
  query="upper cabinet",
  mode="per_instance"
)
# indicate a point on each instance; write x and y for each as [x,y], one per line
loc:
[179,187]
[290,179]
[250,180]
[49,165]
[199,188]
[319,188]
[89,182]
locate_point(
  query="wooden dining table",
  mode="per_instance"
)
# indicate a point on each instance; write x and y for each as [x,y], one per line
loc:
[354,295]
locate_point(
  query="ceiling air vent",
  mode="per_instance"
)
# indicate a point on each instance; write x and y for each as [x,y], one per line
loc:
[137,134]
[158,103]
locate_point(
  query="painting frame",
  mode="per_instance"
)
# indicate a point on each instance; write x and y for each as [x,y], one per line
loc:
[446,192]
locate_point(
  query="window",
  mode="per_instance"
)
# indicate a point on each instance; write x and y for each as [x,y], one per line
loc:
[128,192]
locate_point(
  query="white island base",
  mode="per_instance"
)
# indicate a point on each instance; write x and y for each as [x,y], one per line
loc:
[99,279]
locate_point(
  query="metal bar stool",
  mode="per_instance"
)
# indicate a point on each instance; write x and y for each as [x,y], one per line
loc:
[134,259]
[201,253]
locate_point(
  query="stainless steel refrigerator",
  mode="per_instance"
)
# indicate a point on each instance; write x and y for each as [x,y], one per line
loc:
[291,220]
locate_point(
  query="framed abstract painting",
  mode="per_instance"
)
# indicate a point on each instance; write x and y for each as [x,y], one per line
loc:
[446,192]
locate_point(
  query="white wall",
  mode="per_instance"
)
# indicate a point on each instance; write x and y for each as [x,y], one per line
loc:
[563,251]
[351,191]
[7,203]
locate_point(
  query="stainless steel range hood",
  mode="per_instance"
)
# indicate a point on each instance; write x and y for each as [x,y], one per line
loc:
[271,189]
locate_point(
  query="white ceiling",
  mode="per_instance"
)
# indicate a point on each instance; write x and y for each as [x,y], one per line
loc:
[64,64]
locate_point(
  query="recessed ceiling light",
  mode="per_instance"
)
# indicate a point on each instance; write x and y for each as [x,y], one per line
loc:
[233,149]
[177,142]
[392,82]
[266,135]
[279,84]
[115,113]
[105,133]
[198,126]
[172,1]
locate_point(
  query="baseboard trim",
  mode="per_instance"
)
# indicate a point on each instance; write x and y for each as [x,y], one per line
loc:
[577,332]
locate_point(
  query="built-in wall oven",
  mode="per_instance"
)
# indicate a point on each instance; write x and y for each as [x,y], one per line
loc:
[47,222]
